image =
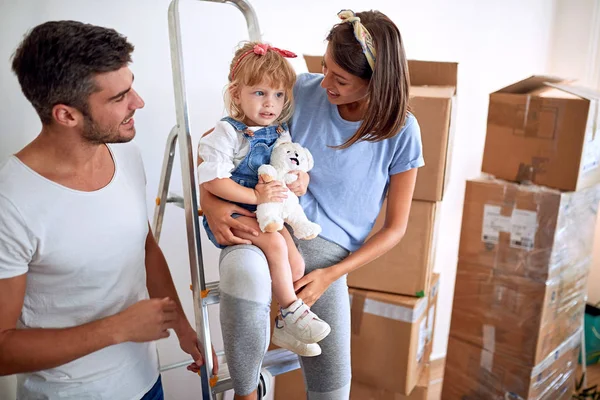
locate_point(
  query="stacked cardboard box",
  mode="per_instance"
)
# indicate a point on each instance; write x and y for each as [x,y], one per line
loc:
[381,370]
[525,250]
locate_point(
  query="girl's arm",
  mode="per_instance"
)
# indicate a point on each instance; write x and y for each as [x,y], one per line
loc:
[230,190]
[396,219]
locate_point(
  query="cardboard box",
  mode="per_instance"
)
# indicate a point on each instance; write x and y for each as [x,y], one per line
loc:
[474,373]
[406,268]
[514,316]
[359,391]
[290,386]
[545,131]
[389,337]
[431,314]
[433,103]
[527,230]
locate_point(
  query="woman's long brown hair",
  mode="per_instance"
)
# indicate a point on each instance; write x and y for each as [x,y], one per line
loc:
[388,83]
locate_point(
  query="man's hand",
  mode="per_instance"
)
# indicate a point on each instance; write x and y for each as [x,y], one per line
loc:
[146,320]
[299,186]
[188,341]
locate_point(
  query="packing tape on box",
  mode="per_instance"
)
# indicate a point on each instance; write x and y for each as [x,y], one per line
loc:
[489,338]
[360,304]
[486,361]
[357,302]
[568,345]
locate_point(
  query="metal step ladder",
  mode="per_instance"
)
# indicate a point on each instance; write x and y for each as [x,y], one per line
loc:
[205,293]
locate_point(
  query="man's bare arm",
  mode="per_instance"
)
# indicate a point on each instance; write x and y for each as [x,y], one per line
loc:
[28,350]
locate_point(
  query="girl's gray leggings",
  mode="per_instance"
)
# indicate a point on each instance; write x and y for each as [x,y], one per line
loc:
[245,303]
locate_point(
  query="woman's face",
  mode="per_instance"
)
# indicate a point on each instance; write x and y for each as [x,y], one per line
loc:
[342,87]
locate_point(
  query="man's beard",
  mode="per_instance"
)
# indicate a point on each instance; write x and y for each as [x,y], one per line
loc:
[98,135]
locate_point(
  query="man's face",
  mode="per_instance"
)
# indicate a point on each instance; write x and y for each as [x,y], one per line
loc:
[110,109]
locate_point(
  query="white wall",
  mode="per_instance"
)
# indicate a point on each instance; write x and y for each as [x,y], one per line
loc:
[495,43]
[580,25]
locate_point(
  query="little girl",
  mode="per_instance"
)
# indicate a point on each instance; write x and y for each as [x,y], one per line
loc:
[259,103]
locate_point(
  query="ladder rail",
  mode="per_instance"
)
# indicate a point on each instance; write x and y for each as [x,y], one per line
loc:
[181,134]
[189,197]
[163,186]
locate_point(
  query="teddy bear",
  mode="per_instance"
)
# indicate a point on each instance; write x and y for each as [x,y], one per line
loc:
[285,157]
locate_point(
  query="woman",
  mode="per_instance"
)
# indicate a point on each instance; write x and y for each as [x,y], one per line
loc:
[355,121]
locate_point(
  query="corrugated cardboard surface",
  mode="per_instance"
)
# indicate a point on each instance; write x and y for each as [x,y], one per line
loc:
[363,392]
[434,108]
[389,335]
[290,386]
[473,373]
[433,103]
[406,268]
[514,316]
[527,230]
[549,138]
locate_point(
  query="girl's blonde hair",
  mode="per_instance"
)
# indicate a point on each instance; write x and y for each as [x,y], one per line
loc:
[252,69]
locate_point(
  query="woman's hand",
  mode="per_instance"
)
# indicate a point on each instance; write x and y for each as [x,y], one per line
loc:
[272,192]
[218,215]
[313,285]
[298,187]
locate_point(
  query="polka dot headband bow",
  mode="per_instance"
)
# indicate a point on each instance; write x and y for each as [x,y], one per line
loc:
[260,50]
[361,34]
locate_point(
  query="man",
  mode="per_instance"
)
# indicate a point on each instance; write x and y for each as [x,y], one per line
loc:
[78,261]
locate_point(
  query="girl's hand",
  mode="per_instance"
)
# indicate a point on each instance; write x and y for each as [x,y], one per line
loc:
[313,285]
[272,192]
[298,187]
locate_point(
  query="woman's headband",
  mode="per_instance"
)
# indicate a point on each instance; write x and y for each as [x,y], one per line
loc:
[361,34]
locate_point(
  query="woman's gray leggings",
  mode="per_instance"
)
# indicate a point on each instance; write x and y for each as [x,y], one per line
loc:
[245,303]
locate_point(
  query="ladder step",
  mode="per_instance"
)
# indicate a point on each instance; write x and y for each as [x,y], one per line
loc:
[212,297]
[175,199]
[277,362]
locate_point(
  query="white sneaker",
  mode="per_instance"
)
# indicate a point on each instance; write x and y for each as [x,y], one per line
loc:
[286,341]
[303,324]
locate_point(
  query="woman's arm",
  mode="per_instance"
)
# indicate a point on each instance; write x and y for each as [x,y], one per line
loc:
[400,194]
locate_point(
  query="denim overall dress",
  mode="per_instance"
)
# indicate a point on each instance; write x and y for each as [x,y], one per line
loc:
[261,142]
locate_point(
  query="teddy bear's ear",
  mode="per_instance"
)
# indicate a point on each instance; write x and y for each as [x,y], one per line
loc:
[281,141]
[309,158]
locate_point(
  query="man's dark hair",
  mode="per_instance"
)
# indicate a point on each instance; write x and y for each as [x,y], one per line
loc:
[56,63]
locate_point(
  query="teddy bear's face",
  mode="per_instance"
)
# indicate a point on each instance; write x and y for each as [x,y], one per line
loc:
[291,157]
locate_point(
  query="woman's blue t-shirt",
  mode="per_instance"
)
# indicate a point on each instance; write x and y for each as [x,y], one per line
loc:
[347,186]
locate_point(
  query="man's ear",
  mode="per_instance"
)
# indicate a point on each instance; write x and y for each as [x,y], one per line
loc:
[66,115]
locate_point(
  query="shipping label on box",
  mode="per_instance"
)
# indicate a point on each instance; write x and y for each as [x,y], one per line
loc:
[527,230]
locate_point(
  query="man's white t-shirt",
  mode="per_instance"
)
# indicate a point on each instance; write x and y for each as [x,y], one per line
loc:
[84,256]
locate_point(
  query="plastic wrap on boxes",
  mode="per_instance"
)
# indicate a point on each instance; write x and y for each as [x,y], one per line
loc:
[515,316]
[473,373]
[527,230]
